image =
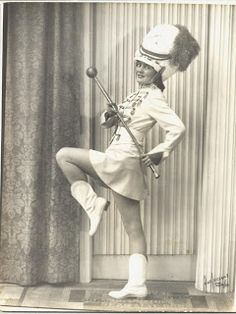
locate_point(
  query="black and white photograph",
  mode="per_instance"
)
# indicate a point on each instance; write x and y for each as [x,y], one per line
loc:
[118,156]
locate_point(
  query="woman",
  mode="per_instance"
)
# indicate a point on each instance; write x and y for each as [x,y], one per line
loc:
[165,50]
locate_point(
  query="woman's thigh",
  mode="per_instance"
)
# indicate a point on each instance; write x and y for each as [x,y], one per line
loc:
[80,158]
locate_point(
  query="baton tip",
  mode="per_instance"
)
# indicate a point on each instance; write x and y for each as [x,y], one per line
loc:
[91,72]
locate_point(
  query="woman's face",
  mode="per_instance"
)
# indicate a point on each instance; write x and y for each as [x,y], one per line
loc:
[145,74]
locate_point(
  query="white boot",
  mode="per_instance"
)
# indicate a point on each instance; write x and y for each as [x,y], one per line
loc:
[91,203]
[135,287]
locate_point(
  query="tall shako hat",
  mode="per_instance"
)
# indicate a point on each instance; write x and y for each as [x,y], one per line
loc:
[168,46]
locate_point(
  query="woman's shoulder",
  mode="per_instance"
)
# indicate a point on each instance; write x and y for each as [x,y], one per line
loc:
[155,95]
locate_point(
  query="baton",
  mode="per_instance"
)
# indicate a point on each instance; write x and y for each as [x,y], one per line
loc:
[92,73]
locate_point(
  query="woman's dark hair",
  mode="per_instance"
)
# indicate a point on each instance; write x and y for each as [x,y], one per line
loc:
[158,82]
[185,49]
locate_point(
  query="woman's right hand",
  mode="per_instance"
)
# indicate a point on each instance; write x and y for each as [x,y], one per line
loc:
[111,107]
[110,112]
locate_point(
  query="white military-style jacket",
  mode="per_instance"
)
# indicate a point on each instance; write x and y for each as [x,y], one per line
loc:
[142,110]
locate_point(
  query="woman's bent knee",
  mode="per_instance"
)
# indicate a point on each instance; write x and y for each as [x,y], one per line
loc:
[62,154]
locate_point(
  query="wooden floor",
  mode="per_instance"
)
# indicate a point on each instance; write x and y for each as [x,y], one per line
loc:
[163,297]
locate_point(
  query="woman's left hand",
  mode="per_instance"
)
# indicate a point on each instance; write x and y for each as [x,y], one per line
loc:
[150,159]
[146,160]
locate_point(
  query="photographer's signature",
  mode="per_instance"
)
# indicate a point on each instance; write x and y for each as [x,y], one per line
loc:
[217,282]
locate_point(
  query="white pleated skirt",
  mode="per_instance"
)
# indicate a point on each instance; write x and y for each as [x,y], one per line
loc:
[120,167]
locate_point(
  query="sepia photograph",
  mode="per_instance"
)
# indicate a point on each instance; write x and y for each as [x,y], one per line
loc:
[118,167]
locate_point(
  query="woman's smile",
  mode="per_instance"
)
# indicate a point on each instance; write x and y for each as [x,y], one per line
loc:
[145,74]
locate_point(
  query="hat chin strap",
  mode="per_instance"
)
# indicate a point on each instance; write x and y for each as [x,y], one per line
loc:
[157,78]
[158,73]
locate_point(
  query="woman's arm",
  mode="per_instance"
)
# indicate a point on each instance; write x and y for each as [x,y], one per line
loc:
[109,118]
[168,120]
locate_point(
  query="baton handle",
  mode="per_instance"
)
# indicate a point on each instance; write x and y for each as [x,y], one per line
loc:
[154,172]
[103,91]
[92,72]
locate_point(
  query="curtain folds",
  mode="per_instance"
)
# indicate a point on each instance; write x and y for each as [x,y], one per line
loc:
[39,223]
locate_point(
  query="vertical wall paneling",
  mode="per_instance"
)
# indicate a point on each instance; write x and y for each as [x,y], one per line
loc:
[217,220]
[168,213]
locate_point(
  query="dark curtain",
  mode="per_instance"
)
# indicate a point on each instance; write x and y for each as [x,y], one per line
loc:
[43,77]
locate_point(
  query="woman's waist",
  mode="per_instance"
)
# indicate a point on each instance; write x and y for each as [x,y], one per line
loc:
[121,135]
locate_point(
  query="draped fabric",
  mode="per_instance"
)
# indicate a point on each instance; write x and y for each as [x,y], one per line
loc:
[39,219]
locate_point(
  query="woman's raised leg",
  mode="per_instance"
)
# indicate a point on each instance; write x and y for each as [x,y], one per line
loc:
[75,164]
